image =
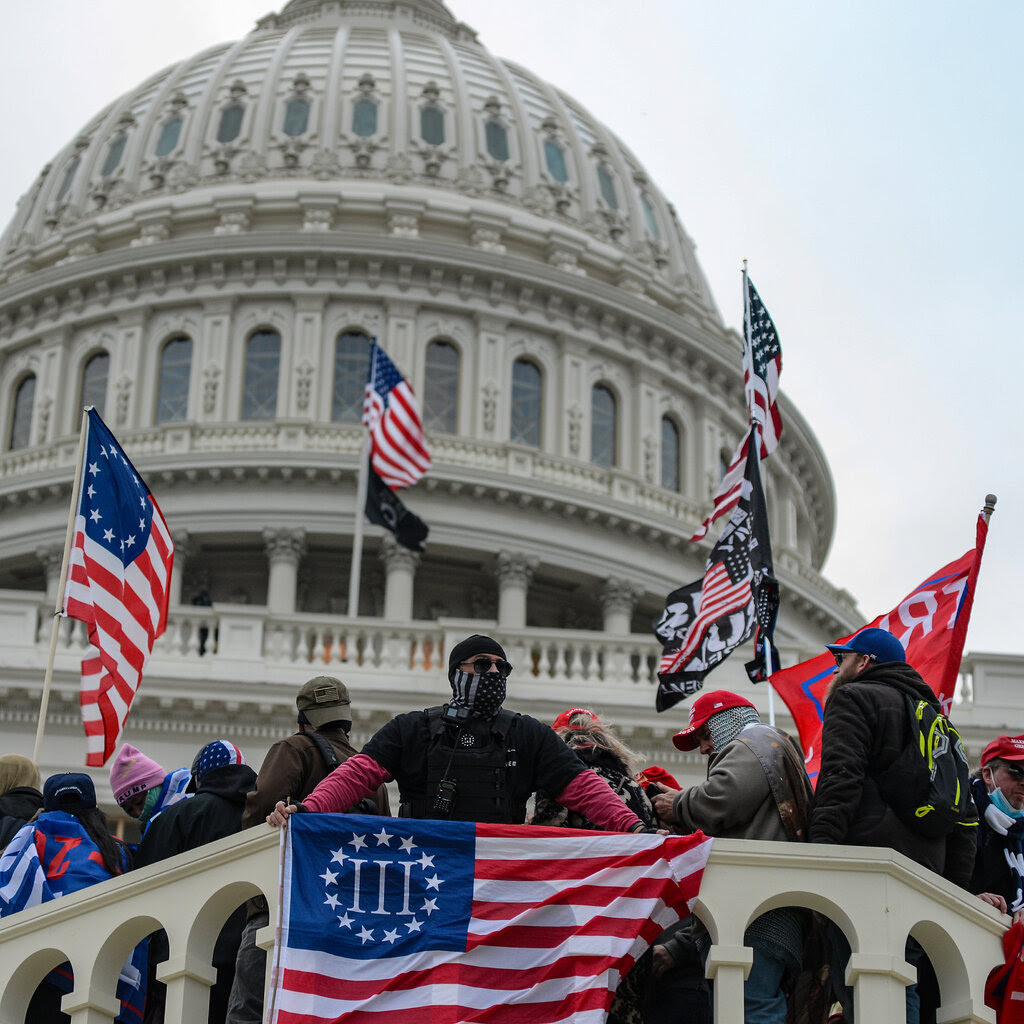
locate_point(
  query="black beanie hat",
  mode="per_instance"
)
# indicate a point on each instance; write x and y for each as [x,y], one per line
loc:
[469,648]
[69,791]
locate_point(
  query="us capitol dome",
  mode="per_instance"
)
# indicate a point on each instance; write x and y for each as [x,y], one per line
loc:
[206,261]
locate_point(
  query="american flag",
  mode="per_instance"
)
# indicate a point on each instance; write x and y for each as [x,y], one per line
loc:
[931,623]
[705,621]
[118,576]
[762,365]
[387,919]
[398,449]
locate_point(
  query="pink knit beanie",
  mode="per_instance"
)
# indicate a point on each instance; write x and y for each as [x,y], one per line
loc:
[133,773]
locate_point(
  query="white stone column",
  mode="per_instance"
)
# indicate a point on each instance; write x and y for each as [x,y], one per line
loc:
[285,548]
[183,549]
[514,571]
[400,572]
[51,557]
[618,602]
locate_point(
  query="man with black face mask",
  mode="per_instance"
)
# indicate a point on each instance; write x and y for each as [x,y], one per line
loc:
[469,759]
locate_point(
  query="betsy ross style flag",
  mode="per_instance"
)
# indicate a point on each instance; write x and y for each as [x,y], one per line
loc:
[762,367]
[117,583]
[398,449]
[705,621]
[931,623]
[400,919]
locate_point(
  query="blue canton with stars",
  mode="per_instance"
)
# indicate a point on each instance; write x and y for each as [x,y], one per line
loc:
[367,887]
[115,501]
[384,374]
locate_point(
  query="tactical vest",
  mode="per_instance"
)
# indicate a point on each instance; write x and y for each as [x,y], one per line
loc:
[480,773]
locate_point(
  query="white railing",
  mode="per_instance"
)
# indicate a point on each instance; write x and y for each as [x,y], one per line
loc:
[876,896]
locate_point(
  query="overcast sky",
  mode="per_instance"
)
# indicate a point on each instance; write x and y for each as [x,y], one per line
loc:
[864,157]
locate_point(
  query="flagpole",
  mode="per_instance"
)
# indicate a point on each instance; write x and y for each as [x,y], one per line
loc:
[76,491]
[357,535]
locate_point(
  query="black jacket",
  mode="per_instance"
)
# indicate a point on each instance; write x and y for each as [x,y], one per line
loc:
[17,807]
[864,730]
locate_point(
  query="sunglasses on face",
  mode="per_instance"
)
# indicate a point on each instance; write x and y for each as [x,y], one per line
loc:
[1014,771]
[481,666]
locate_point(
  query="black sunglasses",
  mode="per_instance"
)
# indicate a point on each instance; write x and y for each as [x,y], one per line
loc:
[481,666]
[1014,771]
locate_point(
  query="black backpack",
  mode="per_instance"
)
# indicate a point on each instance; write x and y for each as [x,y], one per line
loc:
[928,785]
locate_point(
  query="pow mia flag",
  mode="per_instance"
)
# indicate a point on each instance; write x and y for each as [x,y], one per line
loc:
[384,509]
[705,621]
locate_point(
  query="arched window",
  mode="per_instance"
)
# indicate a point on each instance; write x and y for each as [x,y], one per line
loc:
[603,426]
[69,177]
[296,117]
[169,135]
[175,371]
[607,186]
[94,382]
[497,140]
[526,403]
[21,419]
[669,453]
[351,372]
[230,123]
[364,117]
[432,126]
[114,154]
[555,159]
[262,364]
[652,221]
[441,387]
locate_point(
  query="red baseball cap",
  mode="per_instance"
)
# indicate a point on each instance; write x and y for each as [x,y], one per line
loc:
[655,773]
[1008,748]
[706,705]
[562,721]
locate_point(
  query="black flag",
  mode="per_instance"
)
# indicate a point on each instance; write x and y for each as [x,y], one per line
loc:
[705,621]
[384,509]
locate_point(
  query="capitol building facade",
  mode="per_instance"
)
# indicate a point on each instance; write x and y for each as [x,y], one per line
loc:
[206,263]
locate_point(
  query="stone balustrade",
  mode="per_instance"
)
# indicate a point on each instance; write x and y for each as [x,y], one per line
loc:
[876,896]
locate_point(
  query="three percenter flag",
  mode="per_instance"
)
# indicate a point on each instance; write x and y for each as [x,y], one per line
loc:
[118,577]
[402,919]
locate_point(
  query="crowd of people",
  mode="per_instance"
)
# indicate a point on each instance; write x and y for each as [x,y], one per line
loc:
[473,759]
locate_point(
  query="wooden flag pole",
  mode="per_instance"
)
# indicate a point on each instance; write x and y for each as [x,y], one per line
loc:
[76,492]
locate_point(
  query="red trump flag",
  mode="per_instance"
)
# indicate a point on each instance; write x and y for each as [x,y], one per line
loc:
[930,622]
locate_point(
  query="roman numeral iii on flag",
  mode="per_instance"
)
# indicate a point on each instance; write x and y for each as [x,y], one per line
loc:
[117,581]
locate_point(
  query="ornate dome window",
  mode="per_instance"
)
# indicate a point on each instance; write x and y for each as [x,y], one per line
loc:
[21,418]
[115,153]
[69,177]
[94,382]
[262,366]
[169,136]
[554,157]
[441,387]
[670,450]
[296,117]
[172,388]
[527,406]
[606,183]
[650,218]
[351,370]
[364,110]
[230,123]
[496,136]
[603,426]
[432,125]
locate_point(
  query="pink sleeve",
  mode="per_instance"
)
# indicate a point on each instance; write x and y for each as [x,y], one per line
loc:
[359,776]
[589,794]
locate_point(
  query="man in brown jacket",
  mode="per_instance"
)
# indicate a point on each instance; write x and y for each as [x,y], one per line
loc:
[291,770]
[756,788]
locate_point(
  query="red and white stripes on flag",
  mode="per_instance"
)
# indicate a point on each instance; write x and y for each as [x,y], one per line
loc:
[762,365]
[387,919]
[398,449]
[118,578]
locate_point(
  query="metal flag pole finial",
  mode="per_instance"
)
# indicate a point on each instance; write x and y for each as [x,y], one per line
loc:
[990,506]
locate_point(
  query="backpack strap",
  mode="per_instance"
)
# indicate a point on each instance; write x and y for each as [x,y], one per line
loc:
[787,777]
[327,752]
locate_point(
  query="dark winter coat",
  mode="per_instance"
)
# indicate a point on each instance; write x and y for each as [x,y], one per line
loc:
[991,871]
[865,728]
[17,807]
